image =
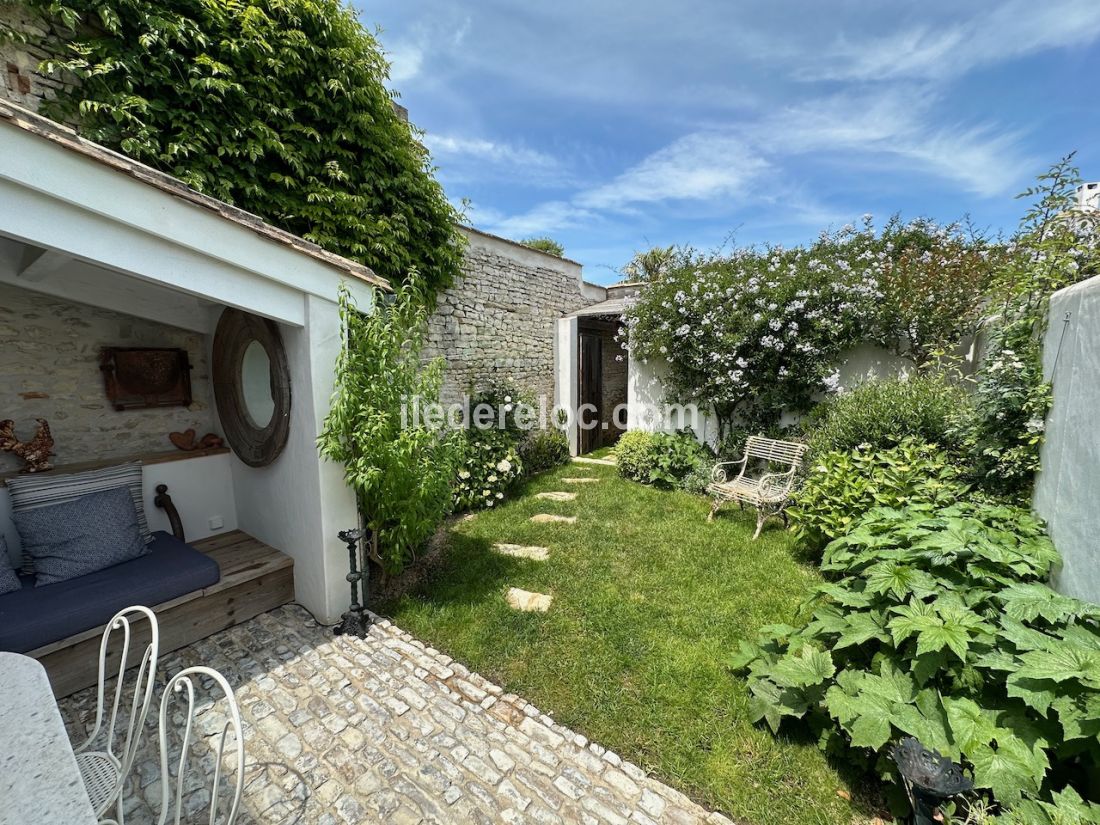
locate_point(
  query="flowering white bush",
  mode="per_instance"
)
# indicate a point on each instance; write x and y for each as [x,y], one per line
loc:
[757,331]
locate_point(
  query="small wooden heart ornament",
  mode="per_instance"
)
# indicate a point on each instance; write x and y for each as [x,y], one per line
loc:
[209,441]
[184,440]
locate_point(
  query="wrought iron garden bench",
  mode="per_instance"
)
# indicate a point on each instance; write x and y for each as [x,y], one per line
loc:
[757,483]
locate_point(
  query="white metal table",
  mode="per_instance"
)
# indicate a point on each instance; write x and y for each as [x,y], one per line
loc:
[40,783]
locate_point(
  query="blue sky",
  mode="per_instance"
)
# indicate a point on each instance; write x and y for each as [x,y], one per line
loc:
[615,125]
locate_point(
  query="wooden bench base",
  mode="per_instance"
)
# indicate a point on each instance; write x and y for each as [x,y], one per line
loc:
[255,578]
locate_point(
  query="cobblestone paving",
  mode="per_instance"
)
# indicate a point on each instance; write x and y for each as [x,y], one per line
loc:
[341,731]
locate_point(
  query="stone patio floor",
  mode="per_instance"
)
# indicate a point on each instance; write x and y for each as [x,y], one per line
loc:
[386,729]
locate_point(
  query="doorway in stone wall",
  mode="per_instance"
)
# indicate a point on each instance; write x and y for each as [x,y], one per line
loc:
[601,382]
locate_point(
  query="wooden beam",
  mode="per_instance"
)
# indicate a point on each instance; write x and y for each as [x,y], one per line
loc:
[37,263]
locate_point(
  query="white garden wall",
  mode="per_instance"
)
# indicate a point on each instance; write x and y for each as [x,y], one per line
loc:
[1068,488]
[646,389]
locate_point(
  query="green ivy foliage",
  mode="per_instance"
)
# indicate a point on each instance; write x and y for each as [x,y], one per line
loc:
[401,470]
[276,106]
[938,624]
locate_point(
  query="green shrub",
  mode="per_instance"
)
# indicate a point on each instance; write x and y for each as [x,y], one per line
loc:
[401,473]
[544,450]
[675,456]
[281,108]
[927,406]
[938,624]
[490,468]
[841,486]
[664,459]
[634,454]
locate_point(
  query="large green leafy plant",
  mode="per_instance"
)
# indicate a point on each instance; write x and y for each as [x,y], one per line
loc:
[277,106]
[938,624]
[842,485]
[401,470]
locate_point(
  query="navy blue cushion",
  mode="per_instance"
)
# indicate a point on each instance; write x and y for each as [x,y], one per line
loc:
[9,581]
[81,536]
[36,616]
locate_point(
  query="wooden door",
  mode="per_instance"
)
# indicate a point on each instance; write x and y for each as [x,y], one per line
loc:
[590,377]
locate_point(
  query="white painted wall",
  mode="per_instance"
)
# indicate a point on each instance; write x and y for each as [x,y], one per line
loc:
[646,400]
[1068,487]
[565,374]
[298,504]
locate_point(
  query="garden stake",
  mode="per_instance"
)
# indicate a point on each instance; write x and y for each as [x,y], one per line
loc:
[929,778]
[355,621]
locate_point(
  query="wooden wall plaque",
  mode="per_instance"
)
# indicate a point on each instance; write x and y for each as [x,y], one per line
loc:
[138,378]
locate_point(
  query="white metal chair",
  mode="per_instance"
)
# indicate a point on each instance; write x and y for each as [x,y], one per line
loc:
[768,492]
[105,766]
[183,684]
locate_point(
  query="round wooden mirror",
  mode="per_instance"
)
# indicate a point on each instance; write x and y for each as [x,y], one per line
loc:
[251,386]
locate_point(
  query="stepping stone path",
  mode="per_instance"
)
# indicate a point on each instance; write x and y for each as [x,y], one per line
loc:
[556,496]
[520,552]
[527,601]
[580,480]
[606,462]
[548,518]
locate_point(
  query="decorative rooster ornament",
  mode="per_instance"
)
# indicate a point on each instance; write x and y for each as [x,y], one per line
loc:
[36,452]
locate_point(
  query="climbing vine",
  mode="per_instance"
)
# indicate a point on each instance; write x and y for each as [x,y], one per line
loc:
[277,106]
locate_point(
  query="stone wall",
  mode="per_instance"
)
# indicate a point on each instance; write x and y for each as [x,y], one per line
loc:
[498,323]
[49,368]
[23,83]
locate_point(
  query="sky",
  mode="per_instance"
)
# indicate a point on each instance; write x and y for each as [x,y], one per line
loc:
[617,125]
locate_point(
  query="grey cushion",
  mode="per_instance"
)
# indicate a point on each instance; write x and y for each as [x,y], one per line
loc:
[79,537]
[9,580]
[42,490]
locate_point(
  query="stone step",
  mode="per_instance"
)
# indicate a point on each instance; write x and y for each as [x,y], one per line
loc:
[527,601]
[556,496]
[549,518]
[605,462]
[518,551]
[580,480]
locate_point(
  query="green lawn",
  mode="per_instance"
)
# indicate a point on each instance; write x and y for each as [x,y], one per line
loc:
[649,600]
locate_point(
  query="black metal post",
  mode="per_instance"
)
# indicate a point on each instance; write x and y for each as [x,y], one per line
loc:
[355,621]
[929,778]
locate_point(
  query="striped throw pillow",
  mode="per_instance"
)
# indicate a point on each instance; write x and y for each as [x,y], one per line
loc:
[29,492]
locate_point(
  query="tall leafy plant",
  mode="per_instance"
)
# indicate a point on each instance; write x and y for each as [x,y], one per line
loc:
[401,470]
[277,106]
[938,624]
[1057,245]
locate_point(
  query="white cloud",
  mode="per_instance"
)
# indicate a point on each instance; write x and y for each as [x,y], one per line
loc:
[490,151]
[406,60]
[926,51]
[701,166]
[892,126]
[466,159]
[548,217]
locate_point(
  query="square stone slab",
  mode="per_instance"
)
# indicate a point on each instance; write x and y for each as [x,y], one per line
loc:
[556,496]
[520,552]
[527,601]
[580,480]
[549,518]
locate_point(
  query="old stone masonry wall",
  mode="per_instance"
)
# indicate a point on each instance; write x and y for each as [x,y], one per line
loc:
[25,41]
[497,325]
[50,369]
